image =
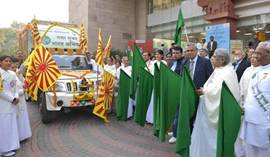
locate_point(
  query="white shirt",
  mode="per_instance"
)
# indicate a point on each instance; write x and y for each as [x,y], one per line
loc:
[158,63]
[9,91]
[205,45]
[211,45]
[199,45]
[96,67]
[126,69]
[237,64]
[150,66]
[258,95]
[111,69]
[244,82]
[174,65]
[194,64]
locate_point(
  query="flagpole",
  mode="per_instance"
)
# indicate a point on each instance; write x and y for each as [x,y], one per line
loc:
[186,34]
[97,78]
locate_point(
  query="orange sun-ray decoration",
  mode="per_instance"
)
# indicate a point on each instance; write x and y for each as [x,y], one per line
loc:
[105,96]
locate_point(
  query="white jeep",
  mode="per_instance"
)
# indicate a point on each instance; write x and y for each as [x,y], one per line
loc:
[77,87]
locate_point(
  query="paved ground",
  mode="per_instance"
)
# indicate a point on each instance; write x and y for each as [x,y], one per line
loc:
[80,134]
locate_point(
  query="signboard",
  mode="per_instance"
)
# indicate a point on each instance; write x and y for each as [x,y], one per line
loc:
[59,37]
[221,33]
[236,45]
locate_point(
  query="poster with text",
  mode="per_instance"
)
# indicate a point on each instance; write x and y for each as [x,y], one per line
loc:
[221,33]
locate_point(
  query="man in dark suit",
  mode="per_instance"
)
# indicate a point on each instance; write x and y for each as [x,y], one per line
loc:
[179,60]
[200,70]
[177,66]
[200,67]
[241,63]
[211,46]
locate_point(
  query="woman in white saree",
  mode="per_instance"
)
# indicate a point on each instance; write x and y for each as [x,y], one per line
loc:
[24,128]
[204,135]
[9,99]
[150,112]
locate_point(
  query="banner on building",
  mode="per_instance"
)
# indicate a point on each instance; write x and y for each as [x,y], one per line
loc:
[221,33]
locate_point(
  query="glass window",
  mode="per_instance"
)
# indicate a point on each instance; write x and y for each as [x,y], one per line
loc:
[74,62]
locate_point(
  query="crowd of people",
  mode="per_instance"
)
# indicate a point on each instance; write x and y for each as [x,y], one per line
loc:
[14,119]
[247,77]
[249,81]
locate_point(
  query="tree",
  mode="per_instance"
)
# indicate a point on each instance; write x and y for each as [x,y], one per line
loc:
[9,39]
[17,25]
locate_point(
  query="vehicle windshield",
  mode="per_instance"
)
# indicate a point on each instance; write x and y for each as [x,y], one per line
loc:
[71,62]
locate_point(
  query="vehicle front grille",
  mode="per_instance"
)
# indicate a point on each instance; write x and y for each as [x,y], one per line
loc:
[69,86]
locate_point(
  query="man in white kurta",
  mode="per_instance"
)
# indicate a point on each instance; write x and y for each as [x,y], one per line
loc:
[246,77]
[204,135]
[256,128]
[9,139]
[110,67]
[127,69]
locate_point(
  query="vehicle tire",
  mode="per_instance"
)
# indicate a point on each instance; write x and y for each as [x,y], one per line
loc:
[90,108]
[46,116]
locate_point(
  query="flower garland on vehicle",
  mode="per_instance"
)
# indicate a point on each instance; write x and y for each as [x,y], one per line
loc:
[86,96]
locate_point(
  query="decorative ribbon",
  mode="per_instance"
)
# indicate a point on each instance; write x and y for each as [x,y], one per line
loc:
[54,95]
[65,73]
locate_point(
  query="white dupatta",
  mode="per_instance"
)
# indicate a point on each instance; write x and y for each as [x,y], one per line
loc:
[212,91]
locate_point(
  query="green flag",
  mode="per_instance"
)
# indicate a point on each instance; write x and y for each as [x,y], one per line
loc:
[188,103]
[123,96]
[228,123]
[179,27]
[137,63]
[143,97]
[169,98]
[156,126]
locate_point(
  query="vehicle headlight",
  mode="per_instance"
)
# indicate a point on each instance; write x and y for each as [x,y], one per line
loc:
[59,87]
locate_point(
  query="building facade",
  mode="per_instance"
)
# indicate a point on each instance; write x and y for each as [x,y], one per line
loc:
[156,19]
[252,16]
[123,19]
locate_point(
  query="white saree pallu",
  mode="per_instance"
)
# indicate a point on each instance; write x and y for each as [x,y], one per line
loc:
[150,111]
[204,137]
[24,128]
[9,139]
[131,103]
[23,123]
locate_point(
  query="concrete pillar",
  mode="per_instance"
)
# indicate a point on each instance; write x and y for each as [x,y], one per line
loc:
[141,20]
[220,11]
[115,17]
